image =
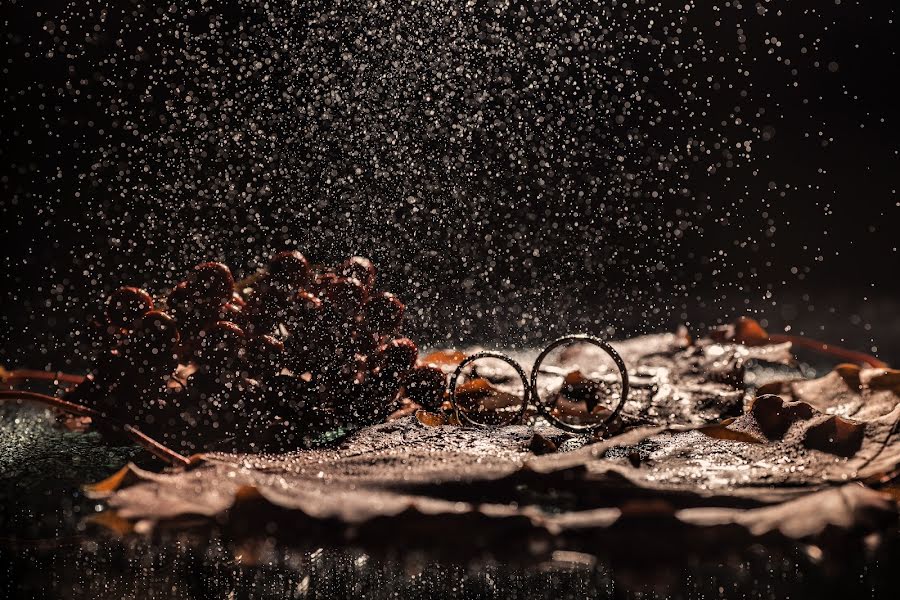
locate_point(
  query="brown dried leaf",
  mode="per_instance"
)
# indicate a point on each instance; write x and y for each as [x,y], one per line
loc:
[720,431]
[430,419]
[446,360]
[406,479]
[779,469]
[848,391]
[776,450]
[846,509]
[674,381]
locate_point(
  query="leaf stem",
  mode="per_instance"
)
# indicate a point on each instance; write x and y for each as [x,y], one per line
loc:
[156,448]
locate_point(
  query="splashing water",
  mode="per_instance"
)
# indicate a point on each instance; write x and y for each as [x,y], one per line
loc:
[519,169]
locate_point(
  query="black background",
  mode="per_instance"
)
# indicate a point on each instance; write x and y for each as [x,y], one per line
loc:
[803,235]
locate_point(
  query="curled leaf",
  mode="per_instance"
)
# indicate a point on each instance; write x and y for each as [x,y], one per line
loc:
[447,360]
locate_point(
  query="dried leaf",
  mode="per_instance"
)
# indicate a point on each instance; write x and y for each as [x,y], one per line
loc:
[847,391]
[847,509]
[778,469]
[446,360]
[673,381]
[431,419]
[541,445]
[720,431]
[481,484]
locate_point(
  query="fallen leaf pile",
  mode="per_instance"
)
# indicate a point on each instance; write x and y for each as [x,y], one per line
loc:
[699,463]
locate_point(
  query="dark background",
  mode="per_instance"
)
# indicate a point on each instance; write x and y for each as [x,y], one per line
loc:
[515,171]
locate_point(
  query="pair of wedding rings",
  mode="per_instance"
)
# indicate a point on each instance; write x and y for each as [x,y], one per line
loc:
[530,386]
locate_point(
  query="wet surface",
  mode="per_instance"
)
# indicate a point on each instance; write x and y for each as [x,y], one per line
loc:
[375,471]
[111,570]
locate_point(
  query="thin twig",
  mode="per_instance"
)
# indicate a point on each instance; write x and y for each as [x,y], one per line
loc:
[829,349]
[20,375]
[158,449]
[64,405]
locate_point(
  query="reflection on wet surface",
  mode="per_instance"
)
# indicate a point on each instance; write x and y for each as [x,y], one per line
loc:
[112,570]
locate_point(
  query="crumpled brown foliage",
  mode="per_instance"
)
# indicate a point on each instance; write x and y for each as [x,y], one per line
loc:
[789,467]
[678,381]
[674,380]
